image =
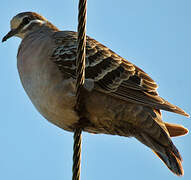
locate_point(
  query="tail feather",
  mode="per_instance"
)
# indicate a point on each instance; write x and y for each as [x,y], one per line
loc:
[155,134]
[172,162]
[176,129]
[168,154]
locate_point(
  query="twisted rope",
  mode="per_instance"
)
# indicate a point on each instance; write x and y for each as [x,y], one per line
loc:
[80,72]
[81,51]
[77,154]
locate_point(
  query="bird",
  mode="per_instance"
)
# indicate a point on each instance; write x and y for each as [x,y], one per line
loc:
[121,99]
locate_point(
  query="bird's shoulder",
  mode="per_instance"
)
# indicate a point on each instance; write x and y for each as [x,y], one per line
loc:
[110,73]
[102,64]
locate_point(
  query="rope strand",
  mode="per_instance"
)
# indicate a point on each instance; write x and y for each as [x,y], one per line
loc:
[80,72]
[77,154]
[81,51]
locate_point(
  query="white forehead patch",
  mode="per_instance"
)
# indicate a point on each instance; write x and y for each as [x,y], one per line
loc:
[34,21]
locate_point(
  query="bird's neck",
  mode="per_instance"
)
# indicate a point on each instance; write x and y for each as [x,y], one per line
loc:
[46,28]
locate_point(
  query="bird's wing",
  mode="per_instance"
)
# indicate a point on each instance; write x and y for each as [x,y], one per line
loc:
[111,74]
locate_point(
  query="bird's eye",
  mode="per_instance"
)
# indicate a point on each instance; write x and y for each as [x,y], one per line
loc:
[26,20]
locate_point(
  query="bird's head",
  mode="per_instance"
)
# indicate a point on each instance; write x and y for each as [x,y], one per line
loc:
[26,22]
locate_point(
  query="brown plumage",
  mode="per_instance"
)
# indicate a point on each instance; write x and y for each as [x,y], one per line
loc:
[176,129]
[121,98]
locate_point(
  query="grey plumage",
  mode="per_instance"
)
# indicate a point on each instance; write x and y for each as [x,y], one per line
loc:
[121,98]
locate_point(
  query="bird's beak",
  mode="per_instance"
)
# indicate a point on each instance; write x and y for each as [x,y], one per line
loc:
[10,34]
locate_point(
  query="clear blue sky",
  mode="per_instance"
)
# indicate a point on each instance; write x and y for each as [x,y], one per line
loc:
[155,35]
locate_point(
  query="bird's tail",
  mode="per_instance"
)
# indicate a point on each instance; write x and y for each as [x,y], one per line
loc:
[176,129]
[172,161]
[167,153]
[162,145]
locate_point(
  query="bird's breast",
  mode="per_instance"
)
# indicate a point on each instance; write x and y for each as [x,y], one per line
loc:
[51,94]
